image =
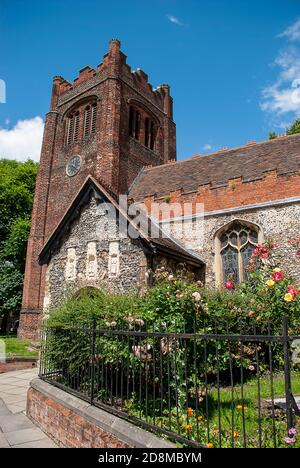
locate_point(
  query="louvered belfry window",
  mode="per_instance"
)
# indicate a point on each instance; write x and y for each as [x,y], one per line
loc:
[237,245]
[76,127]
[69,135]
[87,121]
[81,122]
[94,118]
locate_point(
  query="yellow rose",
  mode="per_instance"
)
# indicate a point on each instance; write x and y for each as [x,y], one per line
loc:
[270,283]
[188,427]
[288,297]
[276,270]
[209,445]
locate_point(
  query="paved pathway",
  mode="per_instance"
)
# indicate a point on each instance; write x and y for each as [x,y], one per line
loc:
[16,430]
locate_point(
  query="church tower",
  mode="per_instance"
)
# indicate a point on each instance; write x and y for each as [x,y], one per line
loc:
[109,123]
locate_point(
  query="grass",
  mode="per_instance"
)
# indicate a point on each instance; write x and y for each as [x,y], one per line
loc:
[238,422]
[17,348]
[247,419]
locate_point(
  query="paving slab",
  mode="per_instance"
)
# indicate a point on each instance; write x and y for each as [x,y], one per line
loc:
[3,441]
[16,429]
[14,398]
[4,411]
[45,443]
[15,422]
[24,435]
[13,391]
[17,408]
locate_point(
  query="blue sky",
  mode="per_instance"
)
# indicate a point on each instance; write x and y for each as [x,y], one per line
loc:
[232,65]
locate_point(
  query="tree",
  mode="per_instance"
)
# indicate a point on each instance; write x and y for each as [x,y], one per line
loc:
[291,130]
[17,182]
[294,128]
[272,135]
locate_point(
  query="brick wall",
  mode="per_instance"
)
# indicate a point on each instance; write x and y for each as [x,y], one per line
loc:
[236,193]
[13,364]
[65,427]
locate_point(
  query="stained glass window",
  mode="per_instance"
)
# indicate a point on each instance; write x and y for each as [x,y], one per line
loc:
[230,263]
[236,247]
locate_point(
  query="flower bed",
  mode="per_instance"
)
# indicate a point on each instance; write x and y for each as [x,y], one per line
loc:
[177,304]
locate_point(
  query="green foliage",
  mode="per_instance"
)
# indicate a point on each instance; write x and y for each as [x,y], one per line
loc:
[291,130]
[294,128]
[17,182]
[11,281]
[272,135]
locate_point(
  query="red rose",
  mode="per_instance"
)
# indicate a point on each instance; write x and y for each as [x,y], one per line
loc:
[278,276]
[229,285]
[292,291]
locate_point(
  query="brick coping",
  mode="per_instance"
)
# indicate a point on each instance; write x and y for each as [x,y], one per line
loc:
[124,431]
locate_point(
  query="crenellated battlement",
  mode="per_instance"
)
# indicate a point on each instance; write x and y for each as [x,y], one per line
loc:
[114,64]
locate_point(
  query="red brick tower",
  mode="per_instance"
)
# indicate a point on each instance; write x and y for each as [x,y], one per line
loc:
[108,123]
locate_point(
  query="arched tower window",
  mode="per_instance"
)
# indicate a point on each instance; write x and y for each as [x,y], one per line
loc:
[235,246]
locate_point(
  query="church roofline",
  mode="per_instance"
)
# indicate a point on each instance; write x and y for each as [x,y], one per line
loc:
[247,163]
[164,244]
[220,152]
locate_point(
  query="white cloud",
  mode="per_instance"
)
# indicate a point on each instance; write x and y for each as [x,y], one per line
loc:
[282,97]
[175,20]
[292,32]
[207,147]
[23,141]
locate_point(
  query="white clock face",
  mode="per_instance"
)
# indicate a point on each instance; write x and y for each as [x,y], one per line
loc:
[73,166]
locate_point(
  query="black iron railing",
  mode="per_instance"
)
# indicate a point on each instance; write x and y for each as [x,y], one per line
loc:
[199,389]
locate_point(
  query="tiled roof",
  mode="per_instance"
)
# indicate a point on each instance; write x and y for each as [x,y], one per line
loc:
[249,162]
[151,234]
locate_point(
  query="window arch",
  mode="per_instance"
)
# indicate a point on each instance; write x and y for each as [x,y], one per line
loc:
[143,126]
[80,121]
[235,244]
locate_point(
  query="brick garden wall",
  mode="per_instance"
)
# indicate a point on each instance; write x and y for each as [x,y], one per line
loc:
[74,423]
[65,427]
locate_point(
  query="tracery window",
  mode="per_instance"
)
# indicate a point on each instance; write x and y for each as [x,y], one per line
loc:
[236,247]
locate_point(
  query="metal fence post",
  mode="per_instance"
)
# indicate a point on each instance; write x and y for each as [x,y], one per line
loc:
[287,374]
[94,324]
